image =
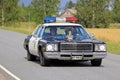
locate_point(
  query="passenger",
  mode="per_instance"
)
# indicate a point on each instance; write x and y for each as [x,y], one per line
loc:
[69,33]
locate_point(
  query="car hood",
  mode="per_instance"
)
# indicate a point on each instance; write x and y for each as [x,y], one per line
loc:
[74,41]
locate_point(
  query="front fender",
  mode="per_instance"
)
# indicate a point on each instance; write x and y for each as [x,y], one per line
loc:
[26,41]
[42,45]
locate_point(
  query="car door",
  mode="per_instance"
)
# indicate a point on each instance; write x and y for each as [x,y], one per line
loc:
[34,41]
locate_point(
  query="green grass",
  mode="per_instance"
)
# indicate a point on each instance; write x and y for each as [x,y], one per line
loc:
[115,25]
[20,30]
[22,27]
[113,48]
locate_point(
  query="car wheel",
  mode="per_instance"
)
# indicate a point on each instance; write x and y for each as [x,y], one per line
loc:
[96,62]
[30,57]
[44,61]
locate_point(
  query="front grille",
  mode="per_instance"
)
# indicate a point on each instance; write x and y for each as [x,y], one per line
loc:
[76,47]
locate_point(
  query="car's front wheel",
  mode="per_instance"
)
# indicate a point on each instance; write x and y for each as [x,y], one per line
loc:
[44,61]
[30,57]
[96,62]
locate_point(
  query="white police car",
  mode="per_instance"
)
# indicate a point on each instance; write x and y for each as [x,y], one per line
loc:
[63,41]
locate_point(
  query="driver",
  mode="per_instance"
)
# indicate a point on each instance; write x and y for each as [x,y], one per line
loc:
[53,31]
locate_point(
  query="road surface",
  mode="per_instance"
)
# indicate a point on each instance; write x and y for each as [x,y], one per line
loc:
[13,58]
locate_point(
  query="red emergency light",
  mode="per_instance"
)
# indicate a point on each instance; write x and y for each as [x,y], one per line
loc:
[71,19]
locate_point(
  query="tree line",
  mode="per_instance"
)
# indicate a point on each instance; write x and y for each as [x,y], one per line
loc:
[96,13]
[11,12]
[90,13]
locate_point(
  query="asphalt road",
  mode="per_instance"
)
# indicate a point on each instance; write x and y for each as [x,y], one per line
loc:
[13,58]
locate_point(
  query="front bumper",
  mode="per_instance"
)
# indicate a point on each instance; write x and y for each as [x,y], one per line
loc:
[75,55]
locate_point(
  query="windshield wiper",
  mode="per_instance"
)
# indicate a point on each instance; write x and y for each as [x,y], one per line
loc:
[50,37]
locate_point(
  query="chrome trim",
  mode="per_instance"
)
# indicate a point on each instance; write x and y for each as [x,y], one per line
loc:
[76,44]
[57,55]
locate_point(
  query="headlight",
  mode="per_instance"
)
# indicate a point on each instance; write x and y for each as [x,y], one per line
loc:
[100,47]
[51,47]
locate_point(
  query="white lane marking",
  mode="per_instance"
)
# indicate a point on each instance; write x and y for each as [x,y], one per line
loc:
[8,72]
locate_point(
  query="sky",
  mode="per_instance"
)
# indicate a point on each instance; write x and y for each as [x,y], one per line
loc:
[62,2]
[26,2]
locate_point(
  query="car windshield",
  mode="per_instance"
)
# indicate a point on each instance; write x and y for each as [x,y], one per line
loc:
[60,32]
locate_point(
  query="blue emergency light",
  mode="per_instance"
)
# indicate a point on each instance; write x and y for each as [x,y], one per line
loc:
[49,19]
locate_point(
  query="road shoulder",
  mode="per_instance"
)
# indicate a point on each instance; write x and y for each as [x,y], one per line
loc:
[4,75]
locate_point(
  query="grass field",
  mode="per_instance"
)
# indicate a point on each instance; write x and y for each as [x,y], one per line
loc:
[22,27]
[110,35]
[115,25]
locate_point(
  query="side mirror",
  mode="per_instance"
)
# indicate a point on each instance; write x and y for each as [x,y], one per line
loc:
[28,36]
[91,35]
[35,36]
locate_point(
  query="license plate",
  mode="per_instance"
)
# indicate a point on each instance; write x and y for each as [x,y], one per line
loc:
[77,57]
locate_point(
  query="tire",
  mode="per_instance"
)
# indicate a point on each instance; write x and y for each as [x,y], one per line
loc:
[44,61]
[96,62]
[30,57]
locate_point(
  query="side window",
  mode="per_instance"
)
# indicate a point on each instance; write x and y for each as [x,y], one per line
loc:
[36,30]
[40,31]
[83,32]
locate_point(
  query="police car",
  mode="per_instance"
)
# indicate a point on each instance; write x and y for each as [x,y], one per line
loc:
[57,39]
